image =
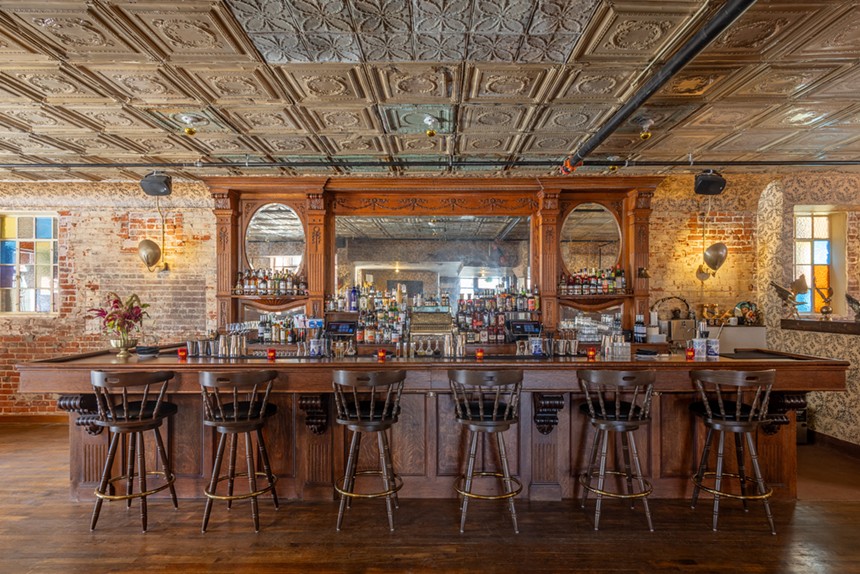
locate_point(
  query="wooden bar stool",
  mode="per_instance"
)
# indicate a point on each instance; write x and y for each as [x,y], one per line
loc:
[128,405]
[487,402]
[616,402]
[368,402]
[735,402]
[237,402]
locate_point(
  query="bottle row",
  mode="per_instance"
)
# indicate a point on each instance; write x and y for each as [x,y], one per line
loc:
[610,281]
[270,282]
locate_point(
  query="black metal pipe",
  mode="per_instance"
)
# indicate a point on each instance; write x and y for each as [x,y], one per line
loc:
[698,42]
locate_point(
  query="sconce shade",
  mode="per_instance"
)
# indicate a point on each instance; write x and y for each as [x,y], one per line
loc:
[156,183]
[709,182]
[149,252]
[715,255]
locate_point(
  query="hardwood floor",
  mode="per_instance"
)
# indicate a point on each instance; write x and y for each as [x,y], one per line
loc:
[42,531]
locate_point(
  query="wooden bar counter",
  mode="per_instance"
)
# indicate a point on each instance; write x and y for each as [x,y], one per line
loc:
[308,447]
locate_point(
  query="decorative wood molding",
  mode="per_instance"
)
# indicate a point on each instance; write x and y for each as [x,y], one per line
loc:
[315,408]
[780,405]
[547,407]
[815,326]
[86,408]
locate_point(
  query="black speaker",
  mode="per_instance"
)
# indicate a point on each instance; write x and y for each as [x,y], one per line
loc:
[710,182]
[156,183]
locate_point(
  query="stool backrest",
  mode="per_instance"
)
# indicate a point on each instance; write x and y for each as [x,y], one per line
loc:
[617,395]
[367,396]
[112,391]
[236,395]
[486,396]
[735,395]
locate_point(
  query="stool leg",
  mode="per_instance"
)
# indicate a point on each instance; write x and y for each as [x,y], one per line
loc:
[103,484]
[602,476]
[213,482]
[628,474]
[231,469]
[165,462]
[507,480]
[390,466]
[383,468]
[719,477]
[703,464]
[252,480]
[347,477]
[638,468]
[759,480]
[129,469]
[470,470]
[351,487]
[141,477]
[739,450]
[267,468]
[592,460]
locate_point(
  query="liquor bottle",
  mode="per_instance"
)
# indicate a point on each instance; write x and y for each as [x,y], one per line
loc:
[262,285]
[239,288]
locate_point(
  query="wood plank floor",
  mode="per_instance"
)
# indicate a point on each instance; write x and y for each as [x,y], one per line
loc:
[42,531]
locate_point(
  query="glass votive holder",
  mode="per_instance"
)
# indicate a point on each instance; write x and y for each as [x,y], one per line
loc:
[182,353]
[690,353]
[271,354]
[479,354]
[591,353]
[380,355]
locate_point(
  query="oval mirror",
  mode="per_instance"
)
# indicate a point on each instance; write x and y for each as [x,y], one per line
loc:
[275,239]
[590,238]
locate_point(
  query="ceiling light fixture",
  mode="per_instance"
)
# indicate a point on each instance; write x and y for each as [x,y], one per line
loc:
[157,184]
[714,256]
[645,128]
[191,122]
[432,124]
[709,182]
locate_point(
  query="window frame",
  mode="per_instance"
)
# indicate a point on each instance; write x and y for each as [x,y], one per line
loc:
[54,263]
[837,264]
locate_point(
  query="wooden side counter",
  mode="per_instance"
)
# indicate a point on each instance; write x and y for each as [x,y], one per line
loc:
[547,448]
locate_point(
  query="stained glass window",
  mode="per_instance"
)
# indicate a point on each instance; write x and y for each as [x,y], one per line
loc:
[29,275]
[812,248]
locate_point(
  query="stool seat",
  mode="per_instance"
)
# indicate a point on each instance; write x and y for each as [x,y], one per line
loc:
[127,418]
[616,402]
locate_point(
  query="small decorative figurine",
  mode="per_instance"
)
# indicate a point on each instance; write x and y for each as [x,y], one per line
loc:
[789,296]
[855,306]
[826,309]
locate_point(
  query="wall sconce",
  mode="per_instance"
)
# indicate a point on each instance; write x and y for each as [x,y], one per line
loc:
[150,252]
[642,273]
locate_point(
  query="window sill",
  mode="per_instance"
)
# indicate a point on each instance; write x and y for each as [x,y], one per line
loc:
[814,325]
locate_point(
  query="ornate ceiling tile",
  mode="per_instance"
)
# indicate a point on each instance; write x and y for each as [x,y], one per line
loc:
[386,48]
[295,145]
[112,119]
[679,142]
[409,168]
[622,145]
[108,146]
[419,145]
[167,145]
[501,16]
[814,141]
[186,30]
[663,117]
[442,16]
[141,83]
[335,48]
[414,83]
[348,118]
[257,119]
[552,144]
[567,118]
[698,82]
[446,48]
[500,143]
[562,17]
[321,16]
[19,49]
[524,83]
[36,119]
[331,83]
[51,83]
[300,159]
[382,17]
[216,144]
[412,119]
[282,47]
[495,118]
[74,30]
[354,144]
[262,16]
[548,48]
[845,84]
[782,81]
[602,83]
[633,32]
[752,140]
[174,120]
[494,47]
[728,115]
[30,144]
[839,38]
[802,115]
[235,84]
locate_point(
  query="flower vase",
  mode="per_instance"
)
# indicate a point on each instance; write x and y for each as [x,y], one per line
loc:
[123,342]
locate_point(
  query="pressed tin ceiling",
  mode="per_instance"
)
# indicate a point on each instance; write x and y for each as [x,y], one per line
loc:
[352,82]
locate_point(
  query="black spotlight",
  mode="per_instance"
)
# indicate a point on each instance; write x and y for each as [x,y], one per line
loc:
[710,182]
[156,183]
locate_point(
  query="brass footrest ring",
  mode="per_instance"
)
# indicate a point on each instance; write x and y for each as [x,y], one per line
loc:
[721,493]
[258,492]
[169,480]
[583,481]
[461,482]
[398,484]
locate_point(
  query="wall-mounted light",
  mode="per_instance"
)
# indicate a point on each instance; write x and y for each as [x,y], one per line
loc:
[156,184]
[642,273]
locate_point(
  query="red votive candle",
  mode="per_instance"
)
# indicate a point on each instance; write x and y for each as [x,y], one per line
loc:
[479,354]
[271,354]
[380,355]
[690,353]
[591,353]
[182,352]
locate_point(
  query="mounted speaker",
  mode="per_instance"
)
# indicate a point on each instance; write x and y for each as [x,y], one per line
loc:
[156,183]
[709,182]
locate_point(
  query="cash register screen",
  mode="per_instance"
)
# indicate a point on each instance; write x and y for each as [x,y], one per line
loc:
[525,328]
[341,328]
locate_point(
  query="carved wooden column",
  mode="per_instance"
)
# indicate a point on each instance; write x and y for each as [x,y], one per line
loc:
[317,248]
[227,250]
[641,222]
[546,241]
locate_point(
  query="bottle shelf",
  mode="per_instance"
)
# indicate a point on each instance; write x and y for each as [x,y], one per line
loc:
[596,298]
[270,300]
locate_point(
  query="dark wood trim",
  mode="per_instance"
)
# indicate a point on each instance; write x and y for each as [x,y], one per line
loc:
[844,447]
[17,419]
[816,326]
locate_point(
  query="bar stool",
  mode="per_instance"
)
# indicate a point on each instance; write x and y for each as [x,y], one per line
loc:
[368,402]
[619,402]
[487,402]
[127,420]
[735,402]
[237,402]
